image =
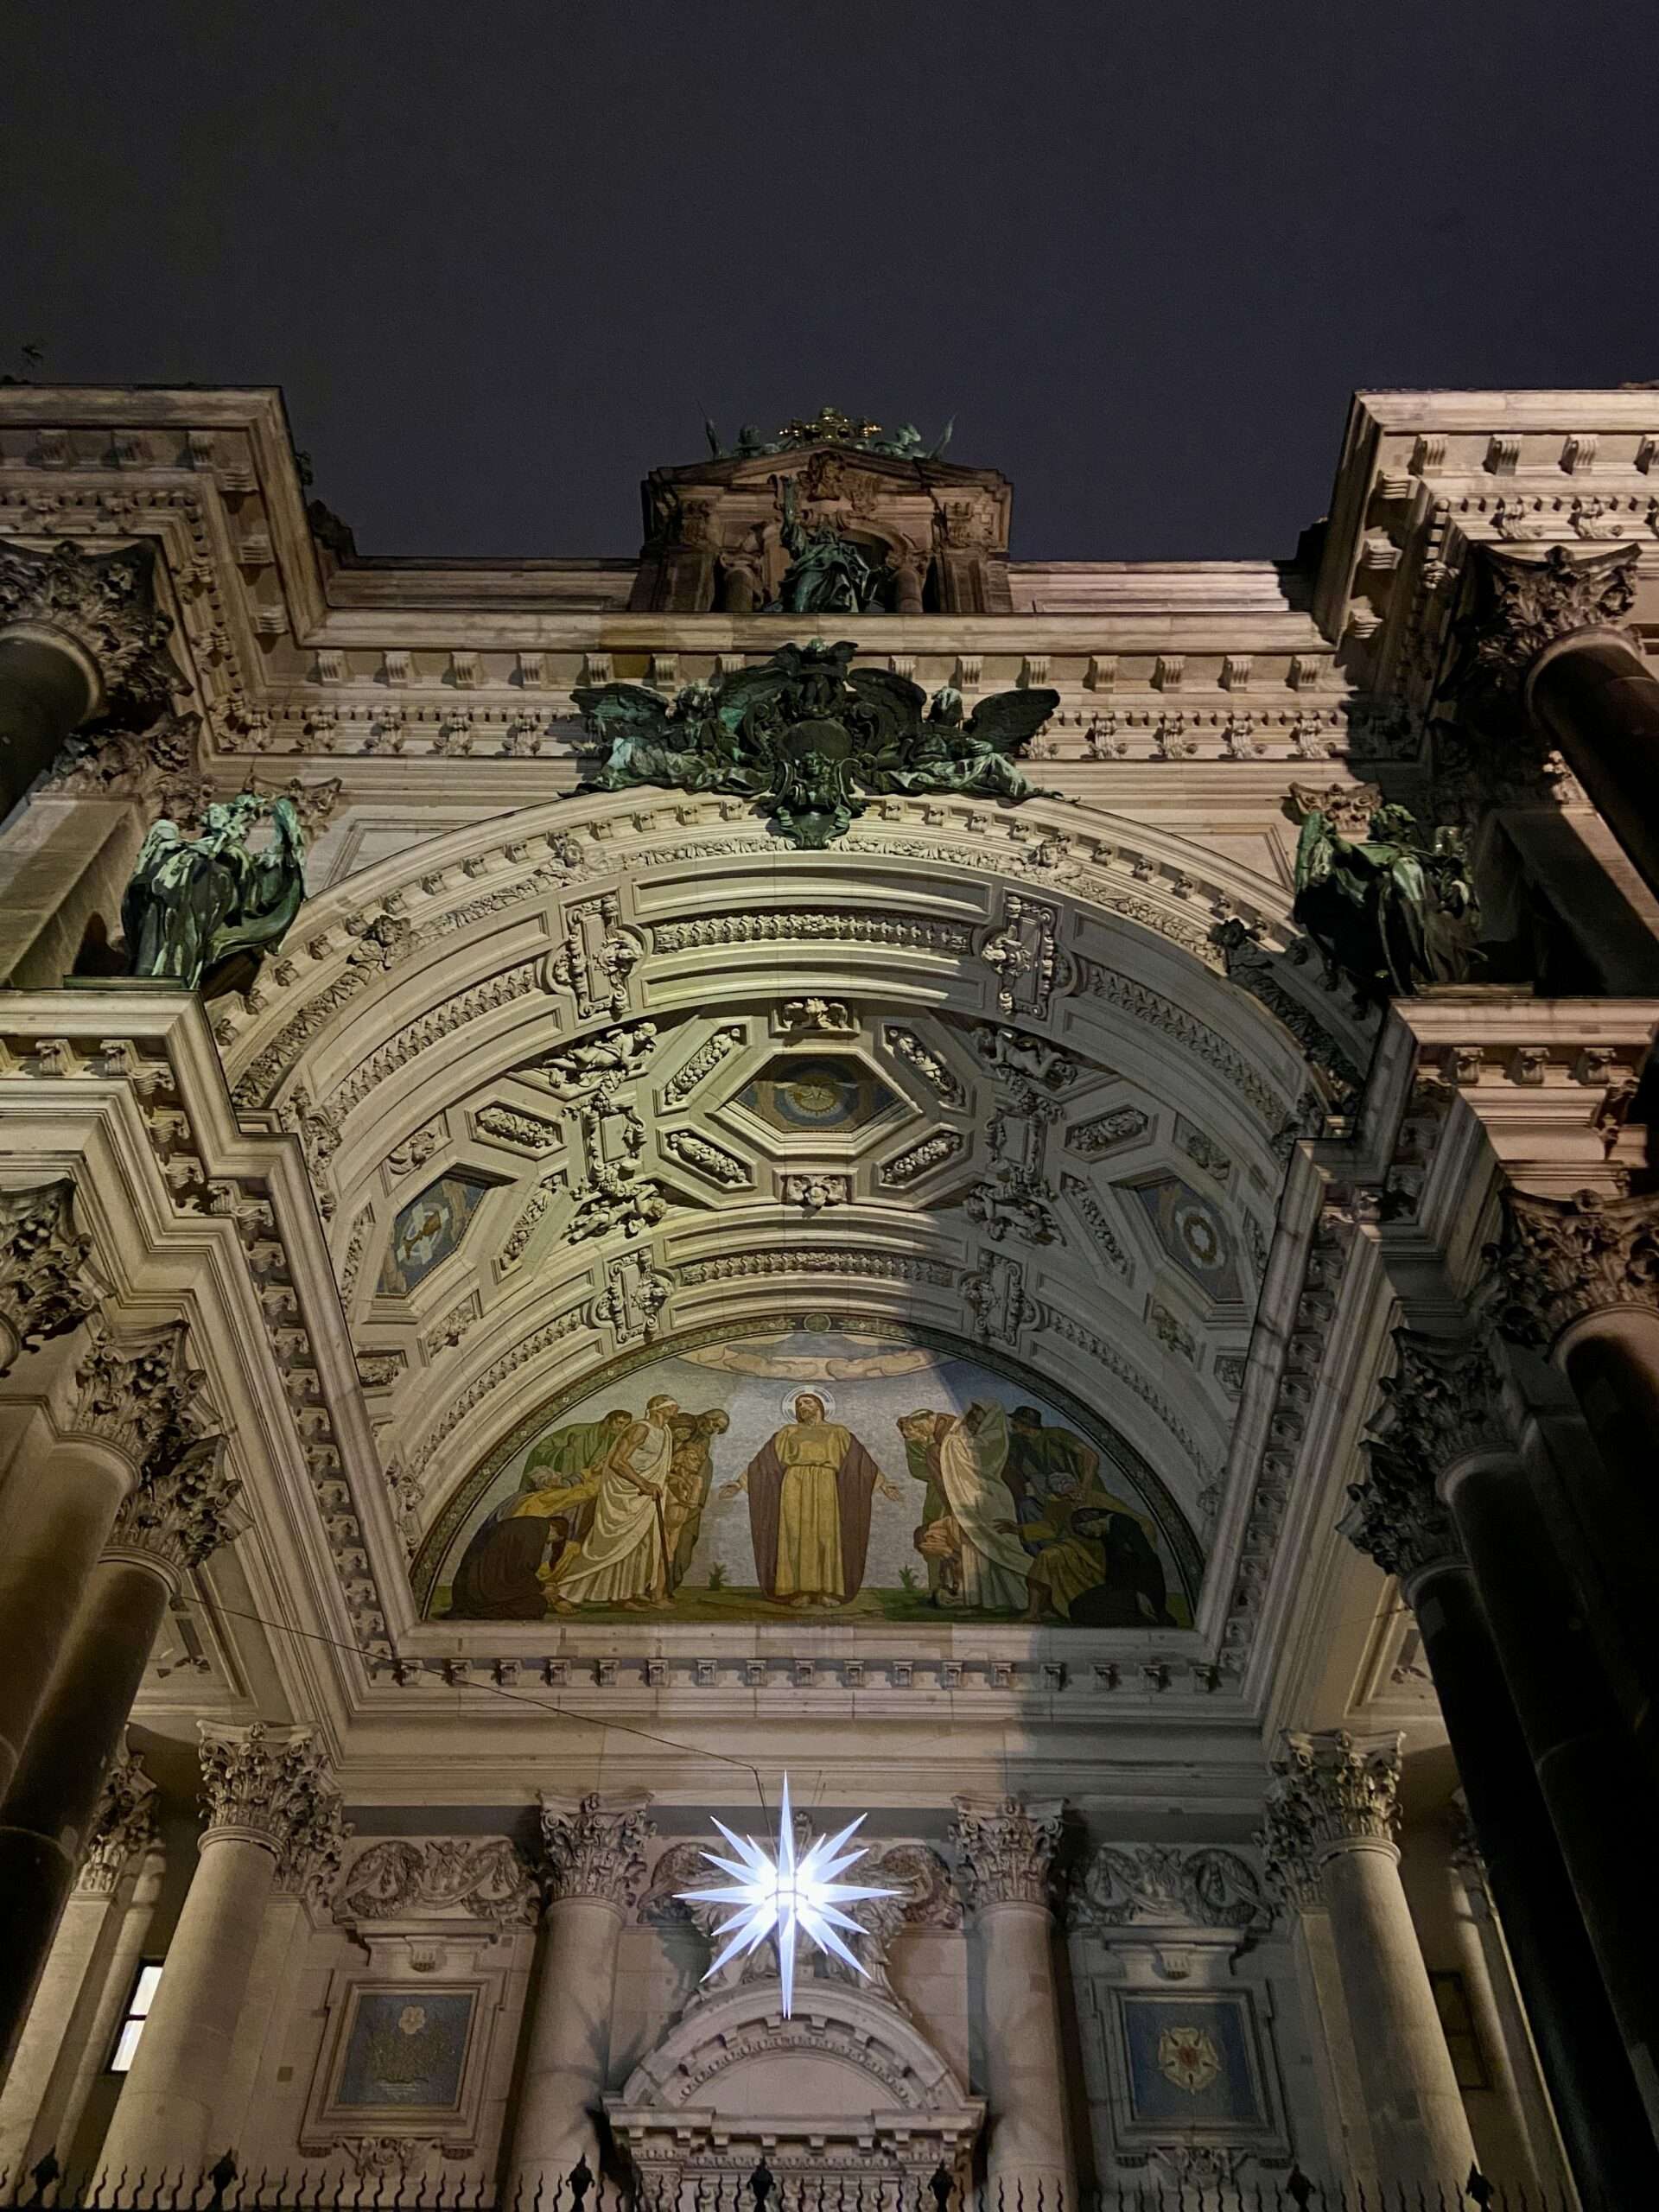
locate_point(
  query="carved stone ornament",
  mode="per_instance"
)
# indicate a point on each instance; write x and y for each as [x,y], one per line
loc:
[595,1849]
[1526,603]
[1560,1259]
[279,1793]
[1328,1791]
[1160,1885]
[1442,1404]
[1005,1850]
[105,602]
[487,1880]
[47,1288]
[181,1508]
[123,1825]
[142,1398]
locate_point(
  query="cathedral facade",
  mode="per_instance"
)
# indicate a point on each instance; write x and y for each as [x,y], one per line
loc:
[1018,1191]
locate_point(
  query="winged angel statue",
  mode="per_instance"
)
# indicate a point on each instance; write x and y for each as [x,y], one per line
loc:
[808,739]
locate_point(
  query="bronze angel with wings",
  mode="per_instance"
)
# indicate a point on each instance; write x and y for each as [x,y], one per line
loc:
[808,738]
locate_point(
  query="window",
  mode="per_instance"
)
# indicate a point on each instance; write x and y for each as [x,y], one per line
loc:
[138,2012]
[1457,2019]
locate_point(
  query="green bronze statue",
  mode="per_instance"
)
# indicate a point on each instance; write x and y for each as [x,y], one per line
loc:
[201,910]
[1389,909]
[807,737]
[830,426]
[828,574]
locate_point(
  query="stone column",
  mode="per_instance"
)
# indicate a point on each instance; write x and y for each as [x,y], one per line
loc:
[270,1807]
[1501,2024]
[1599,1792]
[80,638]
[1578,1281]
[93,2032]
[77,1968]
[131,1400]
[175,1517]
[592,1865]
[1332,1806]
[1441,1406]
[1548,641]
[1005,1853]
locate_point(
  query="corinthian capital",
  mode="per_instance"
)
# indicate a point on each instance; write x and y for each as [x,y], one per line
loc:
[106,604]
[122,1824]
[181,1508]
[1527,602]
[1443,1403]
[140,1397]
[595,1849]
[1328,1791]
[1560,1259]
[278,1793]
[1005,1849]
[46,1285]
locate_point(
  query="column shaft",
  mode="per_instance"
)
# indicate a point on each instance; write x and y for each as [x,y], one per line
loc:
[81,1935]
[1581,2051]
[1597,1791]
[48,1812]
[1024,2066]
[165,2118]
[568,2049]
[1525,2150]
[1594,697]
[52,1545]
[1418,2123]
[92,2031]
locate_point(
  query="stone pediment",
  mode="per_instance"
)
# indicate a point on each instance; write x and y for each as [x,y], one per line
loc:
[847,2081]
[712,527]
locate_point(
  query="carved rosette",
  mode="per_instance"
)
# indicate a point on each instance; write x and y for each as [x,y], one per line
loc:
[279,1794]
[106,604]
[1329,1793]
[594,1850]
[46,1287]
[140,1397]
[123,1825]
[181,1508]
[1561,1259]
[1527,603]
[1006,1850]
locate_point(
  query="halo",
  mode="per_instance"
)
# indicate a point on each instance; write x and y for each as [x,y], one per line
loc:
[820,1391]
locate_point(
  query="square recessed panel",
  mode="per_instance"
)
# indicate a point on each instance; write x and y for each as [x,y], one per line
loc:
[428,1229]
[819,1094]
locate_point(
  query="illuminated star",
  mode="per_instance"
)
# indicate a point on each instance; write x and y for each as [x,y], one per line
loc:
[794,1896]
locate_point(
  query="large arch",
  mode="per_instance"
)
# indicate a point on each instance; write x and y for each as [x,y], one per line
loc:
[1072,1086]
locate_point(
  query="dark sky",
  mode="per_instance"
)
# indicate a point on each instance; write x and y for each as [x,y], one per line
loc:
[498,254]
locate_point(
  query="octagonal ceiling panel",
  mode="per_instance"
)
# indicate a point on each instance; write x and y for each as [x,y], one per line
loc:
[808,1096]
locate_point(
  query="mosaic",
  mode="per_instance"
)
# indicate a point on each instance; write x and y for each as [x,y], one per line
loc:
[818,1096]
[428,1229]
[815,1469]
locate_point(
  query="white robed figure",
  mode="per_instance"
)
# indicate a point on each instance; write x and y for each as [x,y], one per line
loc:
[973,1452]
[623,1558]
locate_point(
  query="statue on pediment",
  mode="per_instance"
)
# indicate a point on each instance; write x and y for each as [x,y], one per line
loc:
[830,426]
[202,910]
[1389,909]
[828,574]
[808,738]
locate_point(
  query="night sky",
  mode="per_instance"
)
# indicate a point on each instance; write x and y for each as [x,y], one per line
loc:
[501,257]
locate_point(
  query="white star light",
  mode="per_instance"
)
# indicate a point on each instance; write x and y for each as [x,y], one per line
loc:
[795,1896]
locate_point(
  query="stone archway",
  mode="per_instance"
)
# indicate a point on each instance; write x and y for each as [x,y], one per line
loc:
[847,2102]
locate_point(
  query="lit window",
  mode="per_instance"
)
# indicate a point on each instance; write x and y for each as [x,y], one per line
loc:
[138,2012]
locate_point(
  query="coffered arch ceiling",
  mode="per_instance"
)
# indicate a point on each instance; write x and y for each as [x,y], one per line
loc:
[597,1071]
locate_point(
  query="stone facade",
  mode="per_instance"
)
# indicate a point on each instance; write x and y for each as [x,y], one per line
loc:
[968,1302]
